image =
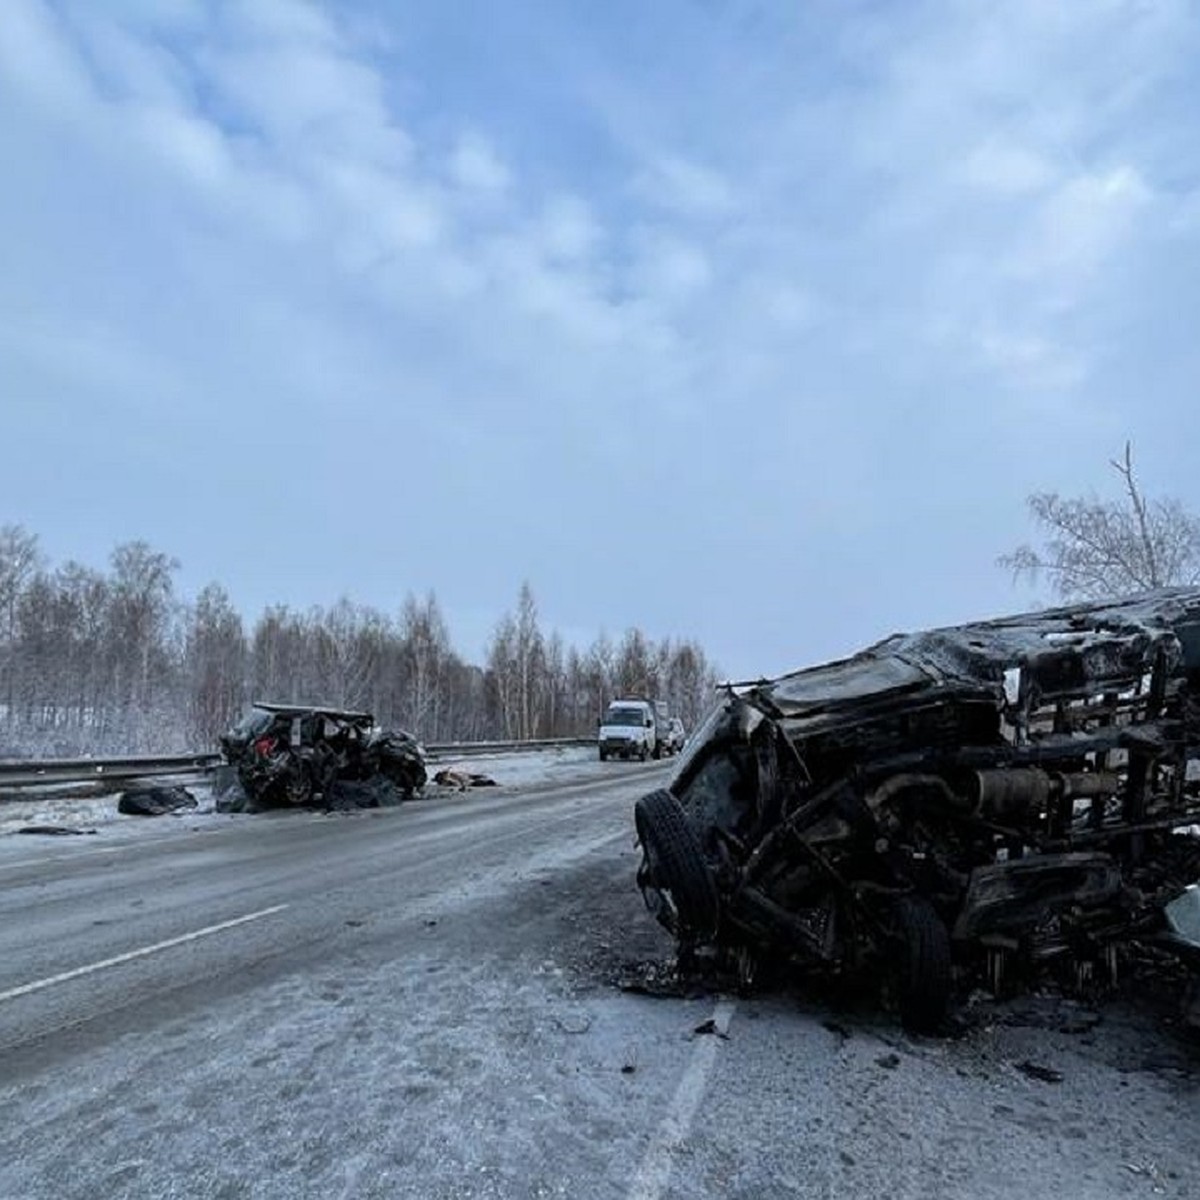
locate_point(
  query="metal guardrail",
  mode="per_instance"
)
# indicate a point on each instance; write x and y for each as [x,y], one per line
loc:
[102,770]
[47,772]
[467,749]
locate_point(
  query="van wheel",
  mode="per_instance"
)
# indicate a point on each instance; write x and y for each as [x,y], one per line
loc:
[923,980]
[674,867]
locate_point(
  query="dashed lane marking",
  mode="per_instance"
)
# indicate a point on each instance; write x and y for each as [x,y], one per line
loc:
[142,952]
[655,1171]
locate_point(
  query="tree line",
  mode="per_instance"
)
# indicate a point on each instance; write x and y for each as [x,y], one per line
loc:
[115,661]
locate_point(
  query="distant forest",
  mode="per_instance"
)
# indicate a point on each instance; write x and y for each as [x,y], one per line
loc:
[115,661]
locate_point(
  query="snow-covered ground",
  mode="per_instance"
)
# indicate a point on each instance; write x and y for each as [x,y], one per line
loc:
[525,768]
[516,770]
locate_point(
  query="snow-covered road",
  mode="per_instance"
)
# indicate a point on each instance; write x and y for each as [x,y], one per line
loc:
[424,1001]
[512,769]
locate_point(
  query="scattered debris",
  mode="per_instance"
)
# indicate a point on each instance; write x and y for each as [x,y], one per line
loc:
[710,1027]
[889,1062]
[155,801]
[349,795]
[54,830]
[1041,1074]
[1150,1171]
[574,1024]
[1057,1013]
[454,777]
[289,755]
[993,803]
[659,980]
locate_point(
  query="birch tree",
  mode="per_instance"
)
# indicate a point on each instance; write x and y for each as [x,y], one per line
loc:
[1095,548]
[19,561]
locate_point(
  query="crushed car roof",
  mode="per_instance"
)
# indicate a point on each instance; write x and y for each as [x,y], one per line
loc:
[301,710]
[1070,647]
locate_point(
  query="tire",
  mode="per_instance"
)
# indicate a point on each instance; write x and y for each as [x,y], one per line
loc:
[676,864]
[923,980]
[298,785]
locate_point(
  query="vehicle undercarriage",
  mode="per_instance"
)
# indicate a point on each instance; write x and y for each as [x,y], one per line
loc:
[984,802]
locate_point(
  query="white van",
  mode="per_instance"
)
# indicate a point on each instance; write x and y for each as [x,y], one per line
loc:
[629,730]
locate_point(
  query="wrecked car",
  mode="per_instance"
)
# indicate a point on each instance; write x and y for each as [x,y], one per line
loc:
[979,802]
[297,755]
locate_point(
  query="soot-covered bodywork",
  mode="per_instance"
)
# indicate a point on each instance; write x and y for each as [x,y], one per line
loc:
[984,799]
[297,755]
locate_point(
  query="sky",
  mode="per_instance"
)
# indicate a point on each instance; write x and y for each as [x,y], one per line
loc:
[749,322]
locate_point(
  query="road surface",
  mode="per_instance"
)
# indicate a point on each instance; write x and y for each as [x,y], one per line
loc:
[422,1002]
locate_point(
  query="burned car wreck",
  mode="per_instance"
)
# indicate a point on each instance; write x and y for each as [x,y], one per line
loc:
[979,803]
[294,755]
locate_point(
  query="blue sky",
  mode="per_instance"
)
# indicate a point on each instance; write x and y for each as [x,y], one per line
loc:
[753,322]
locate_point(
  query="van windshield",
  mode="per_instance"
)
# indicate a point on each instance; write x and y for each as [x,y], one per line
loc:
[624,716]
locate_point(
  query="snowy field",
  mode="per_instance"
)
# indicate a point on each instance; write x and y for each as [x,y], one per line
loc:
[516,771]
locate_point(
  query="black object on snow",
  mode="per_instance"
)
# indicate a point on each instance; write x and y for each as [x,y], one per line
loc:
[345,795]
[155,801]
[54,830]
[1042,1074]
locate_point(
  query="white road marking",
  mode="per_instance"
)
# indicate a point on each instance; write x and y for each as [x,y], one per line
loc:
[38,984]
[655,1171]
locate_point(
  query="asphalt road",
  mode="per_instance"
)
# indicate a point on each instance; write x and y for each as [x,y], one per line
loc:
[422,1002]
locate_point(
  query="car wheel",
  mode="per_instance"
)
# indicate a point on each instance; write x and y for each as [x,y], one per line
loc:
[923,979]
[298,785]
[674,866]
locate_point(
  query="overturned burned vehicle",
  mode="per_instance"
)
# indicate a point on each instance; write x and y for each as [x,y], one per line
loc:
[297,755]
[976,803]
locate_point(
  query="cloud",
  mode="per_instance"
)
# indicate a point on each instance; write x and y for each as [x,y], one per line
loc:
[686,188]
[476,165]
[832,252]
[1081,224]
[1036,364]
[567,229]
[1004,167]
[38,62]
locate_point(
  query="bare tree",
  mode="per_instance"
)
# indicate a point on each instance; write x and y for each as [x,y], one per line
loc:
[504,685]
[216,665]
[598,671]
[634,675]
[19,561]
[529,651]
[1097,548]
[691,682]
[142,604]
[111,661]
